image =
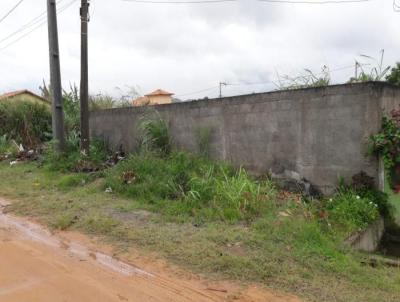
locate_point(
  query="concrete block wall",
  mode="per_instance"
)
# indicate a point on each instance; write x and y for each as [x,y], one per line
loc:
[320,134]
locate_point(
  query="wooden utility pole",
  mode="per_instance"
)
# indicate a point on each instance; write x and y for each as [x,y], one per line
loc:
[55,76]
[84,89]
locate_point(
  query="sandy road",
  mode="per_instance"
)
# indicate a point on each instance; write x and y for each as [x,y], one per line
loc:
[37,266]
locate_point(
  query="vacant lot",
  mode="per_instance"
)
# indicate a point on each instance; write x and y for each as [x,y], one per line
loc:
[287,248]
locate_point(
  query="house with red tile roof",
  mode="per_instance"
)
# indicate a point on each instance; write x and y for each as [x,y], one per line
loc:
[24,95]
[157,97]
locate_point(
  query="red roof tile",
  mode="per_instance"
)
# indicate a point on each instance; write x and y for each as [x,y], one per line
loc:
[160,92]
[20,92]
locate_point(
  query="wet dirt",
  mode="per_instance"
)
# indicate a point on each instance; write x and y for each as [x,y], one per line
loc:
[36,265]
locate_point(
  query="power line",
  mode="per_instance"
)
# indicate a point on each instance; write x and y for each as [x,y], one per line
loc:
[270,1]
[199,91]
[246,83]
[179,2]
[40,18]
[62,9]
[23,36]
[11,10]
[315,2]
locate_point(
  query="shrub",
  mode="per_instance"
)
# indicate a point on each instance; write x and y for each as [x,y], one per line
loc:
[7,147]
[25,122]
[394,76]
[387,142]
[351,211]
[364,186]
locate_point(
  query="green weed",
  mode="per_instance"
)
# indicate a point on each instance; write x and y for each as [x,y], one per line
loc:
[295,252]
[184,185]
[72,159]
[156,137]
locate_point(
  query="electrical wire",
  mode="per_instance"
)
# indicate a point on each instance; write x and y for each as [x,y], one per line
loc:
[31,23]
[315,2]
[199,91]
[11,10]
[265,82]
[270,1]
[179,2]
[59,11]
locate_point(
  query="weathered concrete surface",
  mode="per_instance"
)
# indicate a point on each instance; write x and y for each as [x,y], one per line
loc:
[318,133]
[369,240]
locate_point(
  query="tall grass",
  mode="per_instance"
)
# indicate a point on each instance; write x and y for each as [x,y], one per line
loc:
[187,186]
[25,122]
[72,159]
[7,147]
[156,137]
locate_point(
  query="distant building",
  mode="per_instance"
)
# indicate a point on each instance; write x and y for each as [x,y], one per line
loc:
[24,95]
[157,97]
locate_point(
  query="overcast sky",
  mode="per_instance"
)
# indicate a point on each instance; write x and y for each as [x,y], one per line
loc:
[185,48]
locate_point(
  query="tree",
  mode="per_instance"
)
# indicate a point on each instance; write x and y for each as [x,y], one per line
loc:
[394,76]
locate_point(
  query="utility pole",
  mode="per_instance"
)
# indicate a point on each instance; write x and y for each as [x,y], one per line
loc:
[84,89]
[220,88]
[55,76]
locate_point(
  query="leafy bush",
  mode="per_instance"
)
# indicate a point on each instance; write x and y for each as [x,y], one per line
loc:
[394,76]
[387,142]
[25,122]
[7,147]
[183,185]
[351,211]
[364,186]
[381,199]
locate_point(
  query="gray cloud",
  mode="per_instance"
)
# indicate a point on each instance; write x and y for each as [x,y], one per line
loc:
[186,48]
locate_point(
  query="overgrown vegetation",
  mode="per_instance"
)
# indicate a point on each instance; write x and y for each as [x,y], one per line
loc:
[377,72]
[287,244]
[394,76]
[350,211]
[185,186]
[305,80]
[72,159]
[156,136]
[8,148]
[366,68]
[387,142]
[25,122]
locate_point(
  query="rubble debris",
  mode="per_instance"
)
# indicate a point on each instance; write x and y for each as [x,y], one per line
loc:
[115,158]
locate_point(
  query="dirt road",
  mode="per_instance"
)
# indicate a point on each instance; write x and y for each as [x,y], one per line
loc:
[37,266]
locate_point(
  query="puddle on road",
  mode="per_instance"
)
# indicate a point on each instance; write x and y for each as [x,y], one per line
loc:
[36,233]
